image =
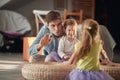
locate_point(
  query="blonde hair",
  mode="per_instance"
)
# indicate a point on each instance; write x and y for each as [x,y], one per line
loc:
[90,34]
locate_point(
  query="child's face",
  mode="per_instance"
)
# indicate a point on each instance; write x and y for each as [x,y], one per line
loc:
[70,31]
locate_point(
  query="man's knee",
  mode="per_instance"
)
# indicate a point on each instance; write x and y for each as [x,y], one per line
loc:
[49,58]
[36,58]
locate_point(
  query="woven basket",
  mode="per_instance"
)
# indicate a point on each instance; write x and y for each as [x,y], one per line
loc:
[46,71]
[114,71]
[58,71]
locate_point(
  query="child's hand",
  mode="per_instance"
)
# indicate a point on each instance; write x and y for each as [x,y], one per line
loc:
[102,42]
[66,57]
[108,62]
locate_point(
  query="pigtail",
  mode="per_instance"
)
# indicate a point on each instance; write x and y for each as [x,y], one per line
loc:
[90,34]
[86,43]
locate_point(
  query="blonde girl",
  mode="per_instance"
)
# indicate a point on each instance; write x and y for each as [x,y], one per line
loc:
[86,55]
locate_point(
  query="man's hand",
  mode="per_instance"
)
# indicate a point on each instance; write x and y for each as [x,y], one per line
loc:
[45,40]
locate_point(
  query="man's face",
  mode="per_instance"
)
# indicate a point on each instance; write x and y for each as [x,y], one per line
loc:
[56,27]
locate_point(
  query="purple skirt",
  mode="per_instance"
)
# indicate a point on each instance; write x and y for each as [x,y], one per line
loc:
[77,74]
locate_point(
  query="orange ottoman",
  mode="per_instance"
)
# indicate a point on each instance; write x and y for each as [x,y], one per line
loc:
[27,41]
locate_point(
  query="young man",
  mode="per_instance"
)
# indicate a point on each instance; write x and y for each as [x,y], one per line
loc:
[48,37]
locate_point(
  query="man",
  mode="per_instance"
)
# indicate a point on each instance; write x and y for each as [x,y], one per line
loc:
[48,37]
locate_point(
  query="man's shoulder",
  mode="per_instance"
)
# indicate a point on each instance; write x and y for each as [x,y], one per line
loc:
[44,28]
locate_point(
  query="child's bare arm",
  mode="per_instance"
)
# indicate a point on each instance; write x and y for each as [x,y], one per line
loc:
[74,58]
[105,60]
[103,54]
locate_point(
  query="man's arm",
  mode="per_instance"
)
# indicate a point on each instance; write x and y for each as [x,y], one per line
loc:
[33,49]
[45,40]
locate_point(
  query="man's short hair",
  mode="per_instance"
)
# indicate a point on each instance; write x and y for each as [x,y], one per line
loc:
[53,15]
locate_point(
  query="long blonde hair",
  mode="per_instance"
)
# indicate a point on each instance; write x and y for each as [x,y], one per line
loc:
[90,34]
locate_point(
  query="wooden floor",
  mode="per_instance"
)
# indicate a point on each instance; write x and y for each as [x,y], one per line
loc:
[10,66]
